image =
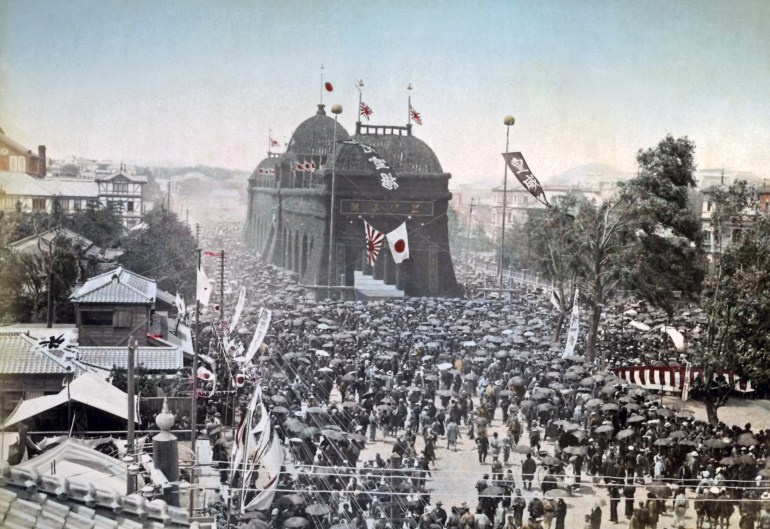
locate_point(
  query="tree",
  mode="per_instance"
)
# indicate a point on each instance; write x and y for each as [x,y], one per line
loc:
[164,250]
[736,297]
[550,245]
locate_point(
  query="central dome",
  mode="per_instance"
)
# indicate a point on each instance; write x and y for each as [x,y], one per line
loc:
[315,135]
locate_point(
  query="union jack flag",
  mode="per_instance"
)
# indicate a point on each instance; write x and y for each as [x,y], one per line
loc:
[373,243]
[366,111]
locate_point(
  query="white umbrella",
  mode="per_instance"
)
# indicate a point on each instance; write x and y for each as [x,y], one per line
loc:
[444,366]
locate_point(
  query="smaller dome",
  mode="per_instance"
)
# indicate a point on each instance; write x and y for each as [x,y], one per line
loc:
[315,135]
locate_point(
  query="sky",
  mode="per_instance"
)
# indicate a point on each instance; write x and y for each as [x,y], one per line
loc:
[201,82]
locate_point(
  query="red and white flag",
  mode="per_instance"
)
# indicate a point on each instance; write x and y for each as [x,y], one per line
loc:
[328,87]
[399,243]
[373,243]
[366,111]
[273,143]
[415,115]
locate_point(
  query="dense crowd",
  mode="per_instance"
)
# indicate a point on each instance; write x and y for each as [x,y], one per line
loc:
[429,373]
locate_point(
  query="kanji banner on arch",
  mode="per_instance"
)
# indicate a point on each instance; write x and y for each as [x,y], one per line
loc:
[518,165]
[379,166]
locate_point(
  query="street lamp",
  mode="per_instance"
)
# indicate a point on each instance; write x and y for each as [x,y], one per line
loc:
[336,110]
[508,121]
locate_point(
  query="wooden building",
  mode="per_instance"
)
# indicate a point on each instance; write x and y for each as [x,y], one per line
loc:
[112,307]
[14,157]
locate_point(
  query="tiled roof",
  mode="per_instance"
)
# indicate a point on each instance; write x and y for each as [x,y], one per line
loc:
[16,183]
[33,243]
[131,177]
[31,501]
[116,286]
[151,358]
[20,355]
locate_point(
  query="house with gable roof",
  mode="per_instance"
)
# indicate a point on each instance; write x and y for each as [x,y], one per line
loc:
[112,307]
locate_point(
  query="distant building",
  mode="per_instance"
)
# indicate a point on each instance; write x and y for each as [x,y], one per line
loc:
[16,158]
[124,193]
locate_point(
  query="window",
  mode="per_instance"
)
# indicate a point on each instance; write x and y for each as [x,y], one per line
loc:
[120,187]
[77,204]
[130,205]
[22,164]
[122,319]
[96,317]
[38,204]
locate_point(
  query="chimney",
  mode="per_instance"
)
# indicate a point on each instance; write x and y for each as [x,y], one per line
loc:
[41,161]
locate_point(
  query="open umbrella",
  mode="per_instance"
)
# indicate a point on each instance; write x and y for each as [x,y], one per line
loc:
[333,434]
[550,461]
[624,434]
[291,499]
[604,428]
[575,450]
[635,418]
[664,412]
[546,406]
[661,490]
[746,439]
[594,403]
[317,509]
[558,493]
[715,443]
[492,491]
[610,406]
[663,441]
[295,522]
[522,449]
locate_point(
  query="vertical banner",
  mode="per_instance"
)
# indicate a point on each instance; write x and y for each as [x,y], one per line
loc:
[518,165]
[238,309]
[574,328]
[259,335]
[686,384]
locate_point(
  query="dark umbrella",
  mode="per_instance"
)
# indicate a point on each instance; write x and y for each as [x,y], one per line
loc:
[661,490]
[715,443]
[295,521]
[317,509]
[746,439]
[550,461]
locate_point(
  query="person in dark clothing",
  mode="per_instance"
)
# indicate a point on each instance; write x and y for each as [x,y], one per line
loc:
[596,517]
[483,447]
[614,501]
[561,513]
[628,493]
[528,468]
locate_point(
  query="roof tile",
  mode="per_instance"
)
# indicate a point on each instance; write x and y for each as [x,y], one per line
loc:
[116,286]
[151,358]
[19,354]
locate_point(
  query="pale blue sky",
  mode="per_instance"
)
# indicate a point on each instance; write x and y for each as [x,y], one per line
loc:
[203,82]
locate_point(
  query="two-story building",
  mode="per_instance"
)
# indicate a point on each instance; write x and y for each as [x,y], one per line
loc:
[124,193]
[113,307]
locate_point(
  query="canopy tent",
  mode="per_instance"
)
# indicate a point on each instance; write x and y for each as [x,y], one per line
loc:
[88,389]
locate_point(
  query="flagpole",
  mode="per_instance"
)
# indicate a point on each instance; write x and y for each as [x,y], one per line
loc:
[507,121]
[336,110]
[322,84]
[359,85]
[409,107]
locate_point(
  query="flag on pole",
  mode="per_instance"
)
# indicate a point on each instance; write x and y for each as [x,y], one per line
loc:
[415,115]
[238,309]
[399,243]
[273,143]
[518,165]
[328,86]
[203,288]
[574,328]
[373,243]
[555,299]
[179,302]
[686,384]
[366,111]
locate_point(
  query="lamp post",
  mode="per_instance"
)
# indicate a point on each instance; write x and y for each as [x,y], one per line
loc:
[508,121]
[336,110]
[468,243]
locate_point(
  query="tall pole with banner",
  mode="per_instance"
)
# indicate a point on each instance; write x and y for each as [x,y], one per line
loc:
[336,110]
[508,121]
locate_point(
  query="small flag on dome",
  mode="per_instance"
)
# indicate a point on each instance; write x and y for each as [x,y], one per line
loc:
[273,143]
[366,111]
[415,115]
[328,87]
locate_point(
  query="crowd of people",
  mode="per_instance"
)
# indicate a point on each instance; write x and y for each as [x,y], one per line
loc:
[553,435]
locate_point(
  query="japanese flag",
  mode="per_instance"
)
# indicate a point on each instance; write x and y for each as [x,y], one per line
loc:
[399,243]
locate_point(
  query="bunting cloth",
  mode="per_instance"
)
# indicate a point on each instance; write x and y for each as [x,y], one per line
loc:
[555,299]
[520,169]
[238,309]
[574,328]
[203,288]
[399,243]
[672,378]
[373,243]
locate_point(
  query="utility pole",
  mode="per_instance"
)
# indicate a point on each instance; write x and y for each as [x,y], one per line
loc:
[194,410]
[468,243]
[221,284]
[507,121]
[130,484]
[197,239]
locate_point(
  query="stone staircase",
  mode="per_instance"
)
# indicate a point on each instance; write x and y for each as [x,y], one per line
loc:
[368,288]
